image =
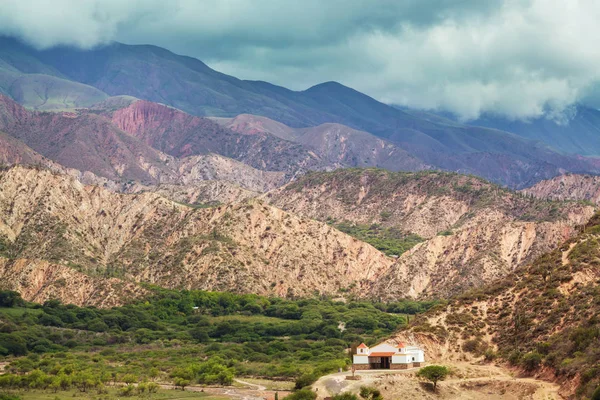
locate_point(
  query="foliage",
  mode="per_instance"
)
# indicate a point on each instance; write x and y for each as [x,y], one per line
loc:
[303,394]
[187,337]
[390,241]
[345,396]
[370,393]
[433,373]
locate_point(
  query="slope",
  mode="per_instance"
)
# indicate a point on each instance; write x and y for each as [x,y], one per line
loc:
[179,134]
[246,247]
[543,318]
[474,231]
[567,187]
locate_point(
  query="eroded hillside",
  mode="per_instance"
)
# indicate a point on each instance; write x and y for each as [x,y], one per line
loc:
[242,247]
[568,187]
[474,231]
[543,318]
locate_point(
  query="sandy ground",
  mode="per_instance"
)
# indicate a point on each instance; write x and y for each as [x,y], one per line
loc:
[468,382]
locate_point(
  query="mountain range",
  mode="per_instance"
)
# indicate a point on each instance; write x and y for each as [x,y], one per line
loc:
[65,78]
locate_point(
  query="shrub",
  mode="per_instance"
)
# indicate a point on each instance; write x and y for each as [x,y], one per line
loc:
[305,380]
[531,361]
[303,394]
[127,390]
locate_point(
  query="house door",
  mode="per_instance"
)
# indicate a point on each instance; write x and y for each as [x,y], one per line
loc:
[385,362]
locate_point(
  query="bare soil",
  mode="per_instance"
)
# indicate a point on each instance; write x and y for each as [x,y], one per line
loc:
[468,381]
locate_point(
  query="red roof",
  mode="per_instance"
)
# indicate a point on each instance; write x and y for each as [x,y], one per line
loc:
[382,354]
[401,345]
[362,346]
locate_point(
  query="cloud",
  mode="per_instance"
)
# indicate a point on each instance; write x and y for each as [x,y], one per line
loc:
[517,58]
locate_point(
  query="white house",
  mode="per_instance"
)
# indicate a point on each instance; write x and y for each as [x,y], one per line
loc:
[387,356]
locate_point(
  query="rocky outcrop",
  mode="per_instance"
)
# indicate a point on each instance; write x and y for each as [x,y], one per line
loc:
[476,232]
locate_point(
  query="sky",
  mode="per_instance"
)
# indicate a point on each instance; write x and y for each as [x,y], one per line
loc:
[520,59]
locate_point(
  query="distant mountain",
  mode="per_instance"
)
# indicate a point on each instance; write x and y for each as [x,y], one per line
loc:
[155,74]
[335,144]
[577,133]
[87,140]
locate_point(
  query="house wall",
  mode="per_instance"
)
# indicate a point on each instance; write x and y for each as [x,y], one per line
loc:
[360,360]
[383,348]
[400,359]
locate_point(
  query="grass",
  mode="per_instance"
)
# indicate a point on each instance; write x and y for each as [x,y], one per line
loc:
[162,394]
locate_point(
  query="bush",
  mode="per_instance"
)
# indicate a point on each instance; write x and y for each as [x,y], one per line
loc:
[127,390]
[531,361]
[303,394]
[305,380]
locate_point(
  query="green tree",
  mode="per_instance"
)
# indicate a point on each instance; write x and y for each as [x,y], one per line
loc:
[129,379]
[10,298]
[345,396]
[181,382]
[434,374]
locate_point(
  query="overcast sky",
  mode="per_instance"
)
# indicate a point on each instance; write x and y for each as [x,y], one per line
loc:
[518,58]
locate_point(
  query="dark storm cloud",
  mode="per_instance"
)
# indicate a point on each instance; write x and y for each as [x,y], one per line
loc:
[519,58]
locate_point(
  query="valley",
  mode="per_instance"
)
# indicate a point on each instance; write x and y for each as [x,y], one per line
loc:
[169,231]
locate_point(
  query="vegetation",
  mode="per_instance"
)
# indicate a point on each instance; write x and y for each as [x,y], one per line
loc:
[390,241]
[184,338]
[434,374]
[546,314]
[370,393]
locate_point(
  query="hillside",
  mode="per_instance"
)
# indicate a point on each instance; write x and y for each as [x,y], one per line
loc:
[543,318]
[474,231]
[567,187]
[335,144]
[86,141]
[181,135]
[245,247]
[155,74]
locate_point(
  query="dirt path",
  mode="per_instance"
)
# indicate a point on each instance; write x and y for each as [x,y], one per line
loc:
[469,382]
[254,385]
